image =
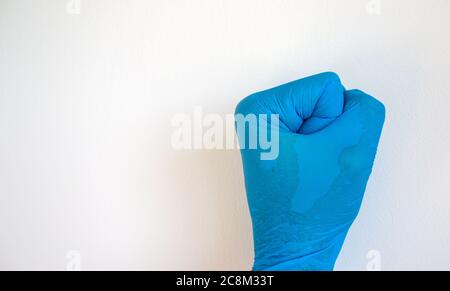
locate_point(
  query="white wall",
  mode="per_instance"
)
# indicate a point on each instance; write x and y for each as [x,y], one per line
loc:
[86,102]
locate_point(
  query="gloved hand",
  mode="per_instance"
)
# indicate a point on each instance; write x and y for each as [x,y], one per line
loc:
[303,202]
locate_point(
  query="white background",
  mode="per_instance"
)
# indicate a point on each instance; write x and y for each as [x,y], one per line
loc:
[86,102]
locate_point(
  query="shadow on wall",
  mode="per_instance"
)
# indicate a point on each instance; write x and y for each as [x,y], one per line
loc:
[212,213]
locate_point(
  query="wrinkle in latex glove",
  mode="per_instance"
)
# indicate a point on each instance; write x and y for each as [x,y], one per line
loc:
[303,203]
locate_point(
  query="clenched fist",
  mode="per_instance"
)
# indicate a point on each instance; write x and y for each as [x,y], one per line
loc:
[304,200]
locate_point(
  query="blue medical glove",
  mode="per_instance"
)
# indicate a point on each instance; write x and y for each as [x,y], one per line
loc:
[304,200]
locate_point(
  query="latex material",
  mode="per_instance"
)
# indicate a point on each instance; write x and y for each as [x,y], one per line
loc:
[303,203]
